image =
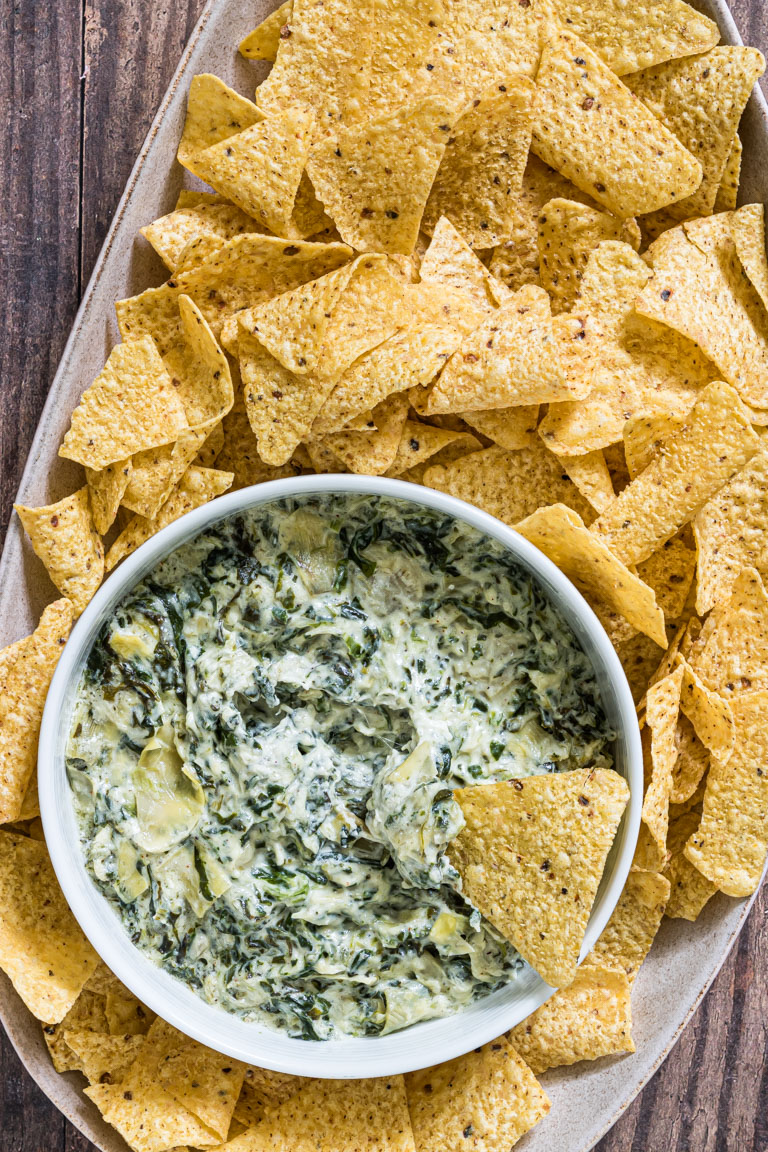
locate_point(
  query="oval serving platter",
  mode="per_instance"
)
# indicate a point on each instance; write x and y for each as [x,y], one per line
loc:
[587,1099]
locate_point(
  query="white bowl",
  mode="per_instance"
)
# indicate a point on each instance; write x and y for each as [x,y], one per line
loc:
[422,1044]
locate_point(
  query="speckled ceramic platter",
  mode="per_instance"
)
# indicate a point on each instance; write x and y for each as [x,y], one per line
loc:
[586,1099]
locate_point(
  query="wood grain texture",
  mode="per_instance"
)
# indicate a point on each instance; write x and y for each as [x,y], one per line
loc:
[80,81]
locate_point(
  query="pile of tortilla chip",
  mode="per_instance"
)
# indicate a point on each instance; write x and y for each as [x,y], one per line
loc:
[494,250]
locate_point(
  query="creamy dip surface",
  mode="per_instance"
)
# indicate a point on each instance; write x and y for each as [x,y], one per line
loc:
[266,738]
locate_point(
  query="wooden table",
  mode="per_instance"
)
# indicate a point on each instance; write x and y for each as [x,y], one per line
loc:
[79,84]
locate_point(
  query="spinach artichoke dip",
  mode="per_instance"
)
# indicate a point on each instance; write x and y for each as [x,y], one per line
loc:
[266,738]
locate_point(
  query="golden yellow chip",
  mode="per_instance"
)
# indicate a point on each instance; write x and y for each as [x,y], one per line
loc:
[126,1015]
[670,571]
[663,703]
[214,112]
[420,442]
[106,488]
[512,358]
[510,428]
[373,453]
[645,435]
[699,289]
[323,60]
[732,657]
[485,1100]
[700,99]
[715,442]
[568,234]
[42,950]
[203,1081]
[730,844]
[261,1087]
[559,533]
[509,485]
[64,537]
[691,764]
[240,453]
[591,476]
[589,1019]
[748,231]
[631,37]
[171,235]
[450,261]
[212,445]
[405,33]
[539,842]
[374,179]
[263,42]
[689,890]
[131,405]
[659,372]
[260,168]
[103,1059]
[728,193]
[466,61]
[627,937]
[85,1016]
[517,262]
[157,471]
[479,179]
[709,713]
[197,486]
[590,127]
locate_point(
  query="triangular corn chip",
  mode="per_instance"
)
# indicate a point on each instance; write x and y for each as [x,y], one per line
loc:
[372,453]
[700,99]
[540,842]
[748,231]
[699,289]
[203,1081]
[591,476]
[131,405]
[42,949]
[26,669]
[157,471]
[103,1059]
[644,436]
[64,537]
[647,32]
[170,235]
[107,487]
[691,764]
[214,112]
[263,42]
[374,180]
[479,178]
[710,713]
[732,657]
[405,32]
[420,442]
[205,386]
[589,1019]
[568,234]
[690,891]
[590,127]
[259,169]
[715,442]
[662,705]
[466,62]
[627,937]
[729,846]
[559,533]
[488,1098]
[510,428]
[450,261]
[85,1017]
[670,572]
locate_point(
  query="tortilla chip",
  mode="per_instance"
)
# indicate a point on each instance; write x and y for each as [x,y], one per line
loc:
[131,405]
[670,572]
[589,1019]
[698,288]
[214,112]
[748,231]
[212,445]
[715,442]
[485,1100]
[85,1016]
[203,1081]
[262,1087]
[103,1059]
[197,486]
[42,950]
[663,703]
[405,33]
[373,453]
[517,262]
[156,472]
[509,485]
[645,435]
[689,890]
[627,937]
[510,428]
[733,656]
[322,58]
[126,1015]
[263,42]
[629,38]
[170,235]
[513,358]
[568,234]
[709,713]
[728,193]
[450,261]
[374,180]
[700,99]
[106,487]
[730,844]
[539,842]
[591,476]
[420,442]
[245,272]
[64,537]
[657,374]
[240,453]
[480,175]
[559,533]
[259,169]
[691,764]
[464,445]
[639,656]
[590,128]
